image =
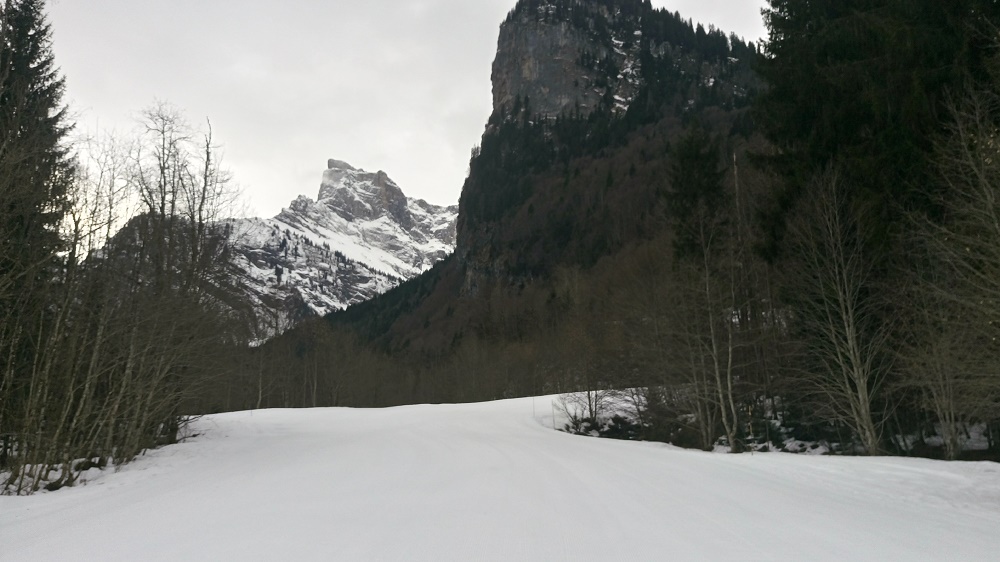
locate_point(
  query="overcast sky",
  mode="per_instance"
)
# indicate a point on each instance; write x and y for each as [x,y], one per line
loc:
[397,85]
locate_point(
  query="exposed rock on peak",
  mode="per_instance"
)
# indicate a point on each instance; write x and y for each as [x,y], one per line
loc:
[334,163]
[355,194]
[540,61]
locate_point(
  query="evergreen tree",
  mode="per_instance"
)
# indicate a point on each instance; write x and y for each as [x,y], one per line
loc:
[35,173]
[696,192]
[863,83]
[35,168]
[857,97]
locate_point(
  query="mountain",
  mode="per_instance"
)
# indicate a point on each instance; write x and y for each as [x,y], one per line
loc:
[591,97]
[611,247]
[562,176]
[564,222]
[359,238]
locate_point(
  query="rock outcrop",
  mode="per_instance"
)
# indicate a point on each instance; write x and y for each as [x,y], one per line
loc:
[564,63]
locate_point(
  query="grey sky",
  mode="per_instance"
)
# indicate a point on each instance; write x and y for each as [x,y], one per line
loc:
[402,86]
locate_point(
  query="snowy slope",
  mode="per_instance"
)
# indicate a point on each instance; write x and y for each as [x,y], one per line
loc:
[361,237]
[494,482]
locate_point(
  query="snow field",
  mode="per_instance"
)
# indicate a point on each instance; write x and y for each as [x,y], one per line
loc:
[493,481]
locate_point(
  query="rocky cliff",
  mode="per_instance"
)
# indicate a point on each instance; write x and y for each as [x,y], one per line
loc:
[566,57]
[359,238]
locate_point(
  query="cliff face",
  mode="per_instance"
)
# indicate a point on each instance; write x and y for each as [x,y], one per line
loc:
[565,59]
[569,58]
[359,195]
[423,233]
[542,61]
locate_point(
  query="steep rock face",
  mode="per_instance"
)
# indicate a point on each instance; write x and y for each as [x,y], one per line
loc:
[565,57]
[361,237]
[420,233]
[562,63]
[541,61]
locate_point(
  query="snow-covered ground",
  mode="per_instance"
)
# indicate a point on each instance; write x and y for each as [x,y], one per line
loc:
[495,482]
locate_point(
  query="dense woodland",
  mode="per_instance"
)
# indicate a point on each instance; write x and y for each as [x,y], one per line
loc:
[790,240]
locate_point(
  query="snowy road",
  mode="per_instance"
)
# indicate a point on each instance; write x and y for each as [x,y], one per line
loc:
[492,482]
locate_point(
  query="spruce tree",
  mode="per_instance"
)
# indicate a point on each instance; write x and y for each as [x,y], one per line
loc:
[35,167]
[862,84]
[35,173]
[696,192]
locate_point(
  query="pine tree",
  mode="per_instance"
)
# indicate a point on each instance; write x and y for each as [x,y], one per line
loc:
[696,193]
[35,168]
[862,84]
[35,172]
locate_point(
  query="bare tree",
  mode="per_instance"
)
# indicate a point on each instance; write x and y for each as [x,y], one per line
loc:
[846,335]
[950,349]
[140,317]
[947,357]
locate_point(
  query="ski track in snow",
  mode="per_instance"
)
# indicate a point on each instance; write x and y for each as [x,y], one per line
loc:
[493,481]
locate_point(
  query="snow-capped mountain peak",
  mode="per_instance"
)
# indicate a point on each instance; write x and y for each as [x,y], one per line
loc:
[359,238]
